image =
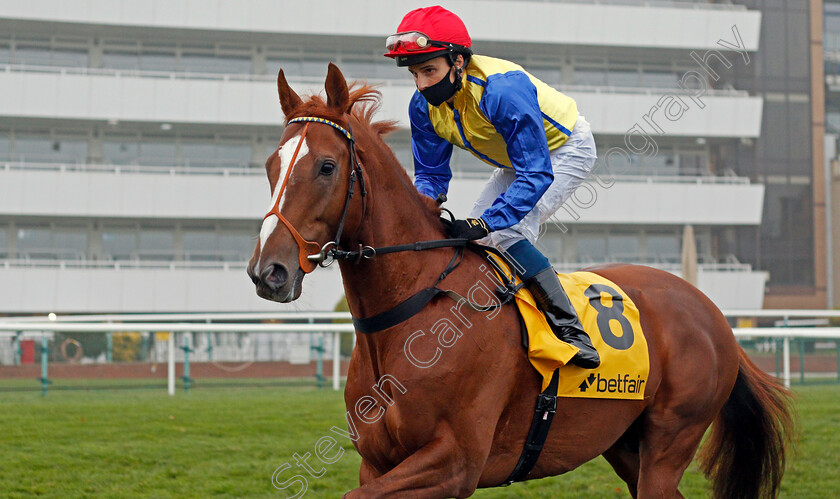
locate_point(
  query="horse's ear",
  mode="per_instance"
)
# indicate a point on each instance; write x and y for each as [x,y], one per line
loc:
[338,95]
[289,100]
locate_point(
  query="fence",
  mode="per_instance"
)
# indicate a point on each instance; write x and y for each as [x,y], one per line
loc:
[785,330]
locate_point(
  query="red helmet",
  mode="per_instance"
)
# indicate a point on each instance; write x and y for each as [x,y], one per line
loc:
[427,33]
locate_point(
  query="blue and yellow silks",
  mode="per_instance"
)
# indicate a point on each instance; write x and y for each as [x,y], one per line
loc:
[505,117]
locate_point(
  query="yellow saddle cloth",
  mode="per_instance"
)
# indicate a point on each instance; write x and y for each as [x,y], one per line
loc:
[611,319]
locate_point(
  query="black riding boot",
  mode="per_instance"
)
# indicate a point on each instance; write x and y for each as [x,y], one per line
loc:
[552,300]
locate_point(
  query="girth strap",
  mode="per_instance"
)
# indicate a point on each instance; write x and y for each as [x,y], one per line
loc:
[543,416]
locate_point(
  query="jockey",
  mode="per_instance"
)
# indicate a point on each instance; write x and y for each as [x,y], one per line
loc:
[542,148]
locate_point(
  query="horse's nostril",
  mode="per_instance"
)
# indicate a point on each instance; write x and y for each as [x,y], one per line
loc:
[254,278]
[274,276]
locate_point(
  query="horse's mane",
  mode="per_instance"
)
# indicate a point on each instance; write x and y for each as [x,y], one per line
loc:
[365,100]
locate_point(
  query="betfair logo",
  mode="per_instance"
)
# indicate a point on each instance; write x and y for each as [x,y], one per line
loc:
[619,384]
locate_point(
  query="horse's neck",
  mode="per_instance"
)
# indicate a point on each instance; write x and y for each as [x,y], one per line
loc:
[396,215]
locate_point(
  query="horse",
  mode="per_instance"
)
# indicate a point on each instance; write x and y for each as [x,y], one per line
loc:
[437,408]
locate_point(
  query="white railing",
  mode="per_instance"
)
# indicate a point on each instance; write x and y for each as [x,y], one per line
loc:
[641,178]
[676,4]
[396,82]
[121,264]
[457,173]
[58,264]
[224,169]
[166,322]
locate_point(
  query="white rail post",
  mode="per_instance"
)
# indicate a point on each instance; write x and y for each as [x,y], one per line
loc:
[336,360]
[786,361]
[171,363]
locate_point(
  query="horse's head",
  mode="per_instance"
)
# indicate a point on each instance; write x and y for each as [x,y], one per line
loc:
[309,175]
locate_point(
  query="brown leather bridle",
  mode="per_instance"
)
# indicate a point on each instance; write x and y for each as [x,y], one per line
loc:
[310,253]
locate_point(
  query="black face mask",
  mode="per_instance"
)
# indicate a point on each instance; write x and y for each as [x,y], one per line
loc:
[441,91]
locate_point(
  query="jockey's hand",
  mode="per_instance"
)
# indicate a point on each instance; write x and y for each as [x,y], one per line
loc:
[471,228]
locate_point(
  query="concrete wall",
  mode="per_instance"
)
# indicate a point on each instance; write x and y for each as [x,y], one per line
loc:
[127,195]
[660,26]
[104,97]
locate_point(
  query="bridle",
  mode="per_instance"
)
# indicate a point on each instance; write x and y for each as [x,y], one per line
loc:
[310,253]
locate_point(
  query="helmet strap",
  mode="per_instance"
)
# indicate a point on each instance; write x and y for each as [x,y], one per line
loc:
[459,72]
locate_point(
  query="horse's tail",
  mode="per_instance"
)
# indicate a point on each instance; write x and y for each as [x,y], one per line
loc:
[744,456]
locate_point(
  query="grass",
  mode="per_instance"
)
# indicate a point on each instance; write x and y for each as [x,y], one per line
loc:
[227,442]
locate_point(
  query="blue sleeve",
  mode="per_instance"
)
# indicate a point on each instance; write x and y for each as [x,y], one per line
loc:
[431,153]
[510,103]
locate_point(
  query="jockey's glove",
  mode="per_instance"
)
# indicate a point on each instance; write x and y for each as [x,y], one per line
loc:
[471,228]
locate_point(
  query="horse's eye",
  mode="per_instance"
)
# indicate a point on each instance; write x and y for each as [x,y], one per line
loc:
[327,168]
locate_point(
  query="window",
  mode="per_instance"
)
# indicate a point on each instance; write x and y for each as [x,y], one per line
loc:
[158,152]
[237,246]
[212,153]
[45,147]
[234,154]
[120,151]
[623,78]
[591,248]
[156,244]
[209,63]
[201,245]
[71,58]
[121,60]
[5,146]
[34,242]
[659,79]
[119,244]
[552,76]
[664,247]
[32,148]
[37,55]
[595,77]
[623,247]
[70,243]
[159,61]
[551,245]
[32,56]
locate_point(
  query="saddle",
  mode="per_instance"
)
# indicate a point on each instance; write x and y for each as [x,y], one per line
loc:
[609,317]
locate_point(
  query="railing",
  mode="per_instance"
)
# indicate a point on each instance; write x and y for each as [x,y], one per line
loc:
[669,264]
[225,170]
[122,264]
[396,82]
[676,4]
[697,178]
[644,179]
[178,323]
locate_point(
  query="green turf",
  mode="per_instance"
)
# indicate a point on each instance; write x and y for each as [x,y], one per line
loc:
[226,442]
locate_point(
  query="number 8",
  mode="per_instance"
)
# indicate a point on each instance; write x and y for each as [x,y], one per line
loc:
[612,313]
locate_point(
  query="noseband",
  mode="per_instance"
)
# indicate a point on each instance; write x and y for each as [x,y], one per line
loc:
[310,253]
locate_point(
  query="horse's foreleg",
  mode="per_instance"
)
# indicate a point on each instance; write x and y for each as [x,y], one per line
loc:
[439,469]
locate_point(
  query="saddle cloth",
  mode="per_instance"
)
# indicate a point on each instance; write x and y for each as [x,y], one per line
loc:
[611,319]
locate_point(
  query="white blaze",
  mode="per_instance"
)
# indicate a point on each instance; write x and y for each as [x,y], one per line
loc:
[285,153]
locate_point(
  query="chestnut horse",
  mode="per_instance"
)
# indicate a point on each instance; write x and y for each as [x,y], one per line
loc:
[451,413]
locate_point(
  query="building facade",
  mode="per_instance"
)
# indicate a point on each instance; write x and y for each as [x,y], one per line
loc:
[133,138]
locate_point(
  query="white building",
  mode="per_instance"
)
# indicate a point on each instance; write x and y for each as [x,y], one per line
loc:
[133,136]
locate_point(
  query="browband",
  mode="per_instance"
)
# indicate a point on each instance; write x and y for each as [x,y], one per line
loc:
[312,119]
